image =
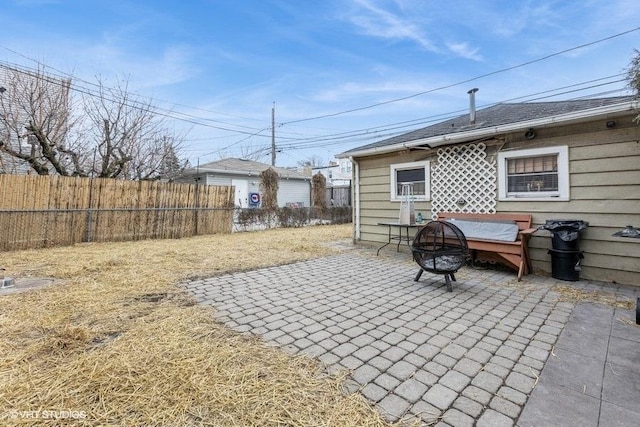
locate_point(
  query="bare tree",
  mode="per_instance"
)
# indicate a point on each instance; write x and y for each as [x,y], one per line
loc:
[171,167]
[36,124]
[311,161]
[130,138]
[250,152]
[633,77]
[246,151]
[633,72]
[110,133]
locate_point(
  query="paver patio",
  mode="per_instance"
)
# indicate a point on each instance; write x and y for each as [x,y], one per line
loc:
[468,357]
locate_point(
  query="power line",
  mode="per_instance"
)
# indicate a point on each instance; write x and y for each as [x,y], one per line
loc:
[367,134]
[97,90]
[451,114]
[464,81]
[235,143]
[385,130]
[372,133]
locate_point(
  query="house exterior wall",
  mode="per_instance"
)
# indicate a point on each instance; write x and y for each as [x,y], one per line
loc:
[211,179]
[336,174]
[294,191]
[253,185]
[289,190]
[604,176]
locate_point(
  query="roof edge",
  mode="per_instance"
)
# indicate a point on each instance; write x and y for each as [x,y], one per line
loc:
[280,171]
[437,141]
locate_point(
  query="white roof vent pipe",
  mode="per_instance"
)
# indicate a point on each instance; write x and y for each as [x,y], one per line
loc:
[472,105]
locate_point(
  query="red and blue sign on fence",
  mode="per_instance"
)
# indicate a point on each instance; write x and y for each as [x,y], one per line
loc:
[254,200]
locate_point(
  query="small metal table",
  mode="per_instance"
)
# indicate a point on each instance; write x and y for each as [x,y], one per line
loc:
[399,237]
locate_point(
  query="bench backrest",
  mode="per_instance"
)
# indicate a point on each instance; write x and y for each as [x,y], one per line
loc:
[523,220]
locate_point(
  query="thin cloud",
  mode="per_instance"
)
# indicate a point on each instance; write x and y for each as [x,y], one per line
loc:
[174,66]
[377,22]
[465,51]
[351,90]
[316,59]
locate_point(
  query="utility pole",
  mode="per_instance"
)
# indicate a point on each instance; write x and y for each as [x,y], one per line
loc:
[273,135]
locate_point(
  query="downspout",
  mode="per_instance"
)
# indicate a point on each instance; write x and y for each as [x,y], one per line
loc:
[356,199]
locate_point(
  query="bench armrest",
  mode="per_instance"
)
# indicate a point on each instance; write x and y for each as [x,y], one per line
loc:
[527,232]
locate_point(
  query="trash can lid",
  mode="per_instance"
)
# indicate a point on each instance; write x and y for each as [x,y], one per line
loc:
[565,224]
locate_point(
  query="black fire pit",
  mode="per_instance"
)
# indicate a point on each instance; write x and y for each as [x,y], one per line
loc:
[440,248]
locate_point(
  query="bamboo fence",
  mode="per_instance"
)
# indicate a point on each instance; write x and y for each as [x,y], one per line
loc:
[42,211]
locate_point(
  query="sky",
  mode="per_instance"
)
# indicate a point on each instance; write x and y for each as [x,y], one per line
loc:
[333,74]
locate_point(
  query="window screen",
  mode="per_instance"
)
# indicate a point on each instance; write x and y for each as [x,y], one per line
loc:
[415,176]
[532,174]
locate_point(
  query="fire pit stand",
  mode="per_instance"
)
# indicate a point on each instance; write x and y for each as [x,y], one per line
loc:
[440,248]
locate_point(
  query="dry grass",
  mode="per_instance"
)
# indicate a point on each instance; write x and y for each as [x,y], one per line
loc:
[120,342]
[575,295]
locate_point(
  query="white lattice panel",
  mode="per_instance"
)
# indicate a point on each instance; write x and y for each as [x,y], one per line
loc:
[463,180]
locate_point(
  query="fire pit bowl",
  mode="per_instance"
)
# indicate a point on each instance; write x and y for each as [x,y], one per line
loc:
[440,248]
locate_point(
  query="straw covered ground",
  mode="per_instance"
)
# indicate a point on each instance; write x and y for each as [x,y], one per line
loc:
[117,343]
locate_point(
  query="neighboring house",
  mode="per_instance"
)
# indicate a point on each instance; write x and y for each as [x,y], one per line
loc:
[294,188]
[13,166]
[575,160]
[337,174]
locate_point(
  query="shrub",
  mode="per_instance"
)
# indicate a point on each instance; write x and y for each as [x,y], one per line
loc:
[269,188]
[257,218]
[319,191]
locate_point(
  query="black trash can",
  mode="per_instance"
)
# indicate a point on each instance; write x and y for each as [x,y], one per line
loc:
[565,265]
[565,233]
[565,240]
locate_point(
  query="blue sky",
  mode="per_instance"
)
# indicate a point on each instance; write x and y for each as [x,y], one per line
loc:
[223,63]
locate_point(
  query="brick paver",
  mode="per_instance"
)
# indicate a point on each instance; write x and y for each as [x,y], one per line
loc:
[413,349]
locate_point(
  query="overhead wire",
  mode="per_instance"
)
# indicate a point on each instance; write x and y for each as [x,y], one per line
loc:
[293,142]
[523,64]
[386,130]
[377,133]
[97,90]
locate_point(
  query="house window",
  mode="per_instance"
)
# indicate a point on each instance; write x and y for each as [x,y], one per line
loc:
[416,173]
[539,173]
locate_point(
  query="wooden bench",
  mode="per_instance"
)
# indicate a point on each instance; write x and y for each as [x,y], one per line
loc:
[514,254]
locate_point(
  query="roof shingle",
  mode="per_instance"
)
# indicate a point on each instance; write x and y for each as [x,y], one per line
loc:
[499,114]
[243,167]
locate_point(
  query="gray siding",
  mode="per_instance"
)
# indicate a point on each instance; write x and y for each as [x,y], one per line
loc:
[289,190]
[604,168]
[294,191]
[218,179]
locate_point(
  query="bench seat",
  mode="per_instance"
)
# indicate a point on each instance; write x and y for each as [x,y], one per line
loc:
[514,254]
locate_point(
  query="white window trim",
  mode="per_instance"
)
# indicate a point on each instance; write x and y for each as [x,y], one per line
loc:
[562,195]
[411,165]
